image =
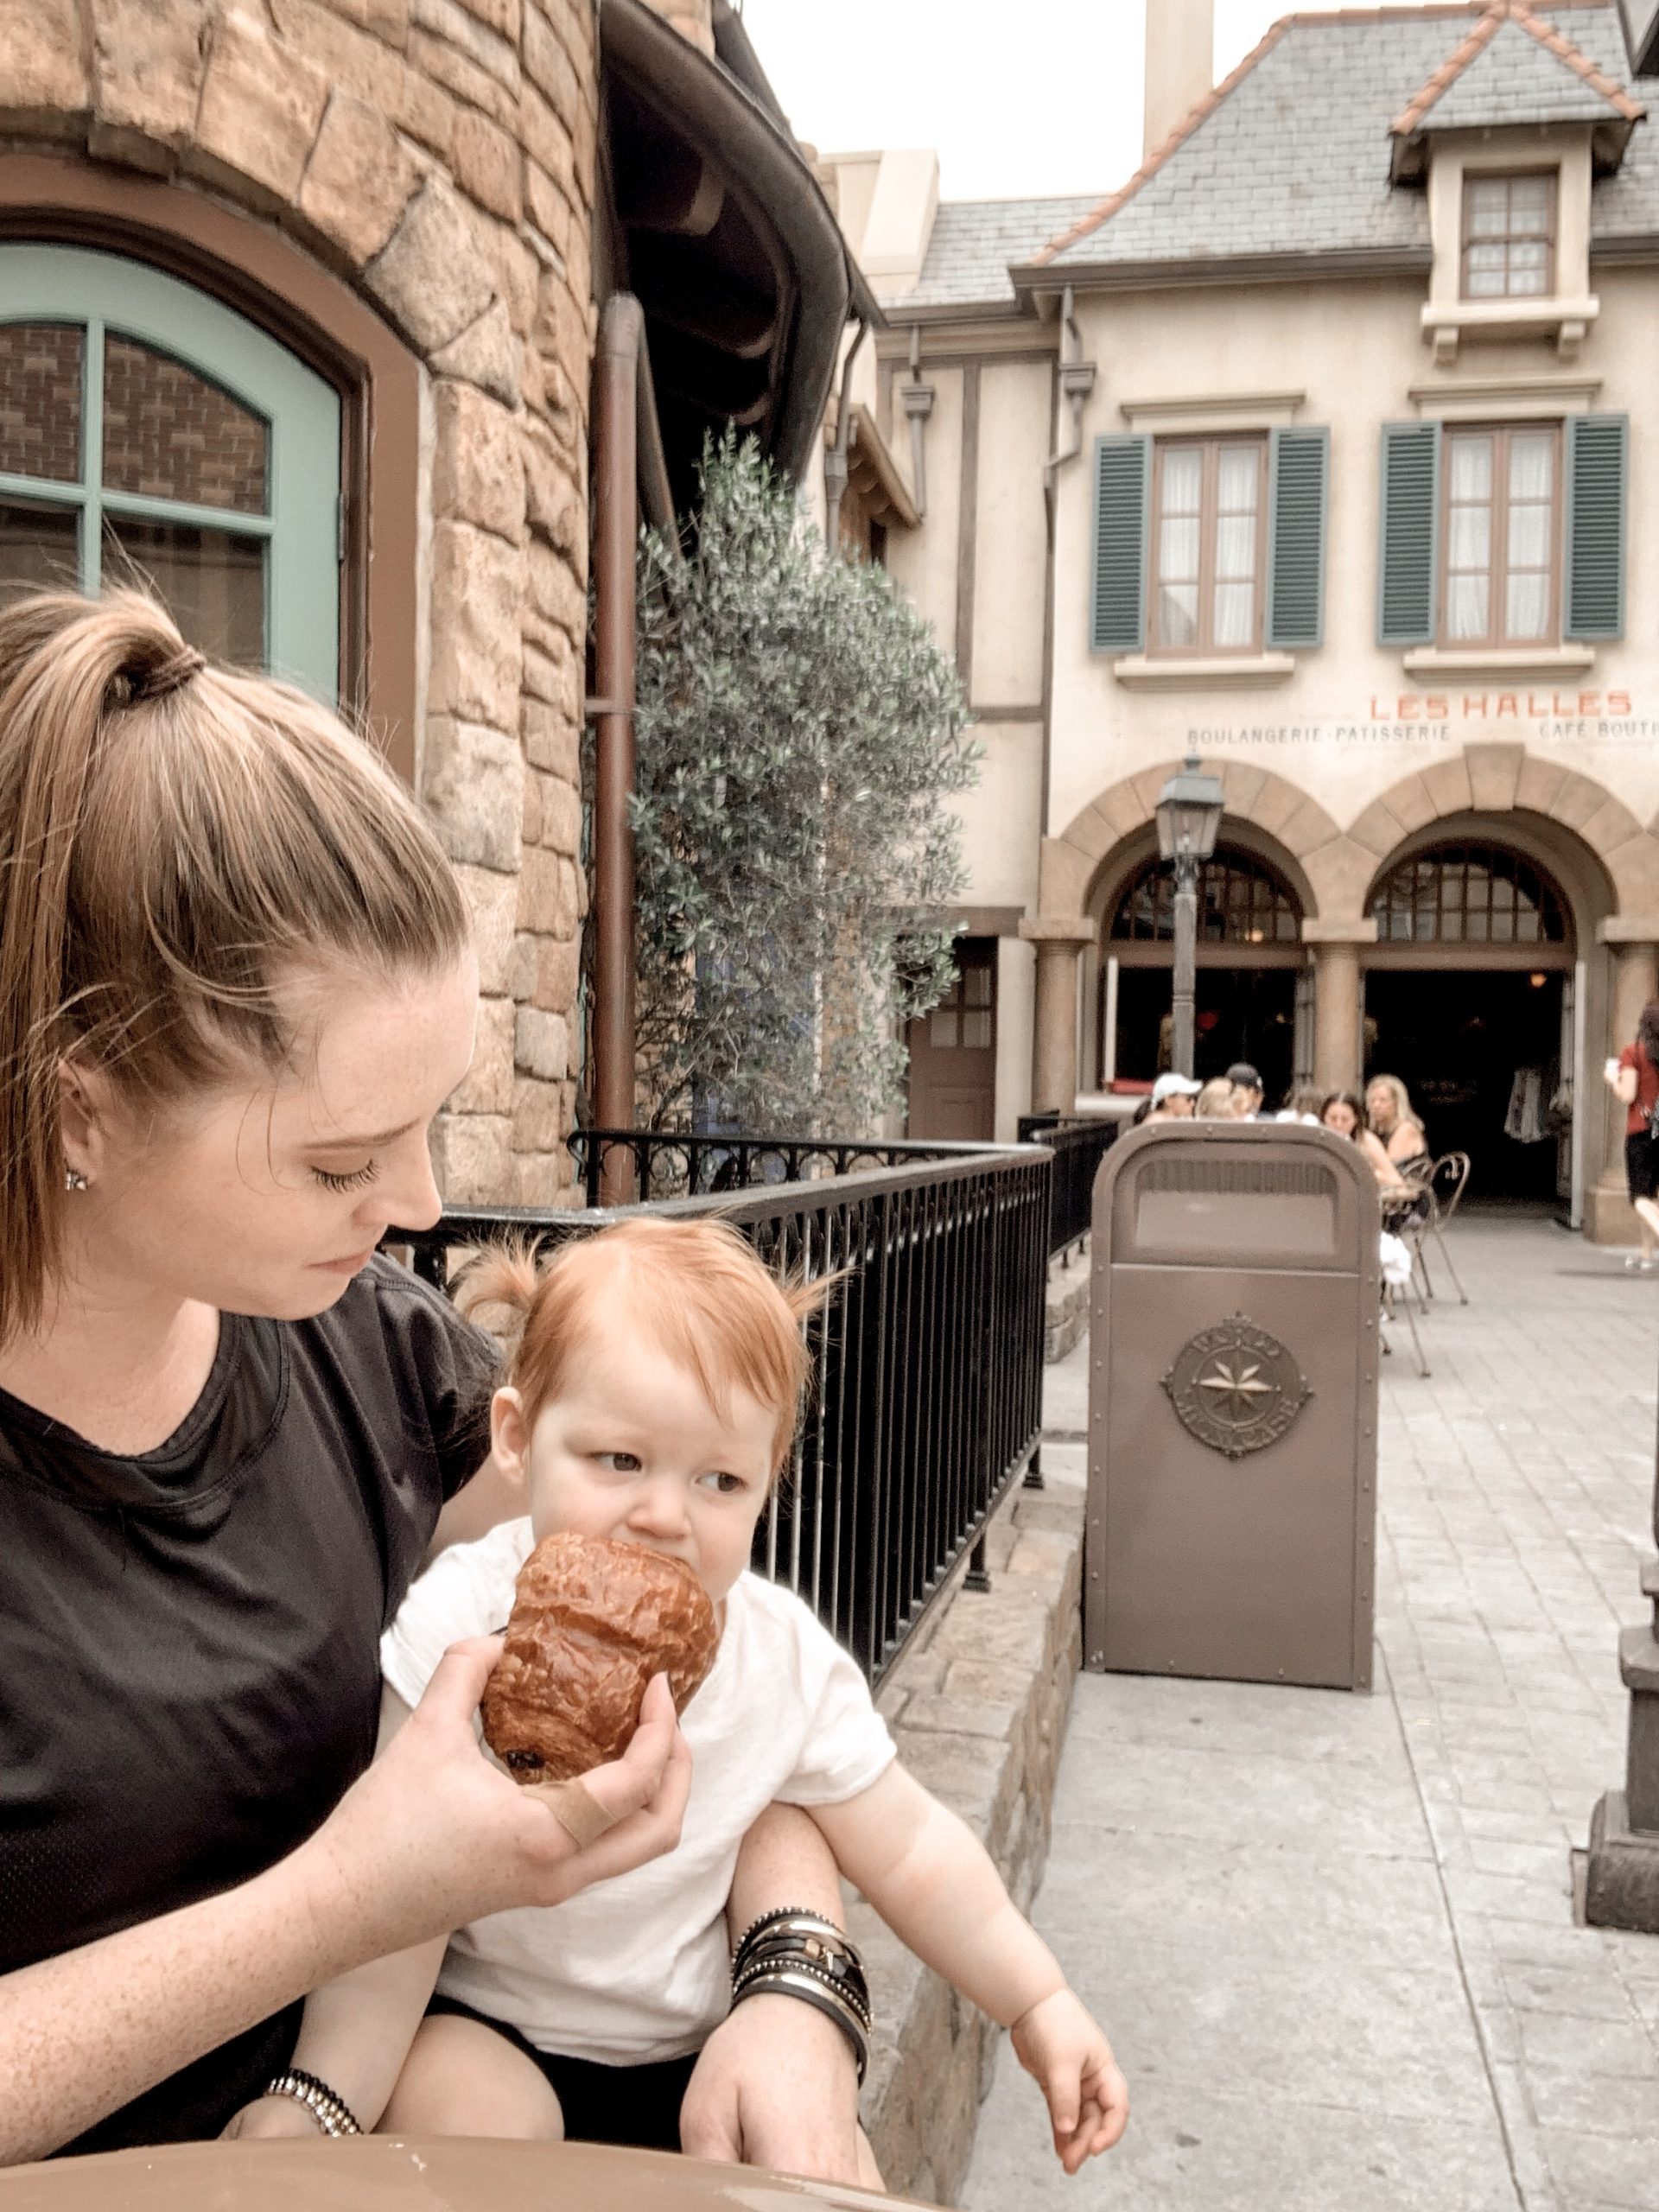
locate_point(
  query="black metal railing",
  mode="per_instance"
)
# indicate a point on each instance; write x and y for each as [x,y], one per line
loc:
[677,1163]
[1079,1145]
[926,1404]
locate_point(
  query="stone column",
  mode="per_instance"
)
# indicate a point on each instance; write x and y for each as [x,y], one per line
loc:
[1059,939]
[1337,1045]
[1634,939]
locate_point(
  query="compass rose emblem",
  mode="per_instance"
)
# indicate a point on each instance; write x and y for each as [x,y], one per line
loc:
[1236,1388]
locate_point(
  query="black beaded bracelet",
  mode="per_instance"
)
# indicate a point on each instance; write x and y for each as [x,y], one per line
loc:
[792,1981]
[792,1963]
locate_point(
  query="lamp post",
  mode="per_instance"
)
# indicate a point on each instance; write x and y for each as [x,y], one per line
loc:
[1189,815]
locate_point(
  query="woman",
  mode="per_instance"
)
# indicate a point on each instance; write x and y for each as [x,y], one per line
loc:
[1218,1101]
[1392,1122]
[1343,1113]
[236,985]
[1636,1084]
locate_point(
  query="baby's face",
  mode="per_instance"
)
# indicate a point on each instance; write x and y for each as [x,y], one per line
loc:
[632,1450]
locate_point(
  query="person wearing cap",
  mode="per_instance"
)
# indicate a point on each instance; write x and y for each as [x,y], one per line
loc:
[1248,1085]
[1172,1098]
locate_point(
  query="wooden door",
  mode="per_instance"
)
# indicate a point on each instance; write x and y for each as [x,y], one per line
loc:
[953,1053]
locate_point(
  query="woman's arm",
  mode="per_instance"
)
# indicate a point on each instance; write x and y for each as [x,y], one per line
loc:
[1382,1165]
[775,2084]
[431,1836]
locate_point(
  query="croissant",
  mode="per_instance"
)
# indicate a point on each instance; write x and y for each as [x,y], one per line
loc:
[592,1622]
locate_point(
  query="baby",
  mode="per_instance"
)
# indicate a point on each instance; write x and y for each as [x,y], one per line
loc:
[654,1390]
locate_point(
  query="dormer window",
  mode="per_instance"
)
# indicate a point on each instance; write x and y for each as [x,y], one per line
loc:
[1508,236]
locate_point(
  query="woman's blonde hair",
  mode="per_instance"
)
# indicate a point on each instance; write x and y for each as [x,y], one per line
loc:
[1403,1108]
[177,841]
[1215,1101]
[696,1289]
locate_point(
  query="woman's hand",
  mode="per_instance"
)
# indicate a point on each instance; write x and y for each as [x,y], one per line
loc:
[775,2086]
[1063,2050]
[269,2116]
[434,1834]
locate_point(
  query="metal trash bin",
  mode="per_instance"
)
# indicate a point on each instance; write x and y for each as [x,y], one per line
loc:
[1232,1416]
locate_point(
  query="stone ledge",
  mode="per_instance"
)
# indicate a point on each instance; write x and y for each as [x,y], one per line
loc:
[1066,1310]
[978,1707]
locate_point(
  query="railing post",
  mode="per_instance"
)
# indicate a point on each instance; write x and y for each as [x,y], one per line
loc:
[977,1577]
[1034,1471]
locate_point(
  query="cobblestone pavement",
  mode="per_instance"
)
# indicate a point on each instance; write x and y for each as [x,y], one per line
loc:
[1332,1936]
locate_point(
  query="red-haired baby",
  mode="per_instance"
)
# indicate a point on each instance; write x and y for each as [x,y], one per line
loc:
[653,1392]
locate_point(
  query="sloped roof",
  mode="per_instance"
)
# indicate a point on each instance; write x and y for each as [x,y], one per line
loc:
[975,241]
[1289,154]
[1514,66]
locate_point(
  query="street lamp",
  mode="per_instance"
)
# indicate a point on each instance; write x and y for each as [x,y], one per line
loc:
[1189,815]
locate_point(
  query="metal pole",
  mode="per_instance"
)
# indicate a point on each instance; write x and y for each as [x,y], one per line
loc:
[616,523]
[1187,951]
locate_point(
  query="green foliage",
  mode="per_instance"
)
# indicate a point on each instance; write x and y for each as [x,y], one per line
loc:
[800,735]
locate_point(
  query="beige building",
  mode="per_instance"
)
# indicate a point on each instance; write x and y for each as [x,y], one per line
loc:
[1325,447]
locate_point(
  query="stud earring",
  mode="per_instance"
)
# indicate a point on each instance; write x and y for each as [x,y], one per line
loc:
[75,1180]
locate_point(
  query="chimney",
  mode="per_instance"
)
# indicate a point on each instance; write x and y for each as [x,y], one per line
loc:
[1180,64]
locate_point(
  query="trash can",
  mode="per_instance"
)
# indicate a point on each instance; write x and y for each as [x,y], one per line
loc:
[1232,1406]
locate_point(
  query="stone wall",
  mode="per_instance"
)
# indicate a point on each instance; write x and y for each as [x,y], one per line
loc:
[978,1705]
[438,155]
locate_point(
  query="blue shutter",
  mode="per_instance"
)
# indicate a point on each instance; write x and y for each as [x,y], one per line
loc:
[1598,456]
[1408,534]
[1117,603]
[1299,469]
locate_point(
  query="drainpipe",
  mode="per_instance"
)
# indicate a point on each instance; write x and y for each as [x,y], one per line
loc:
[919,406]
[616,523]
[835,462]
[1074,381]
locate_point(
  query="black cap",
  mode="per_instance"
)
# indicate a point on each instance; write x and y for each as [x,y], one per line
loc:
[1244,1076]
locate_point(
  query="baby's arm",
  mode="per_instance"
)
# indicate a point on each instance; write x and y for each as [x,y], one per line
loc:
[357,2031]
[934,1885]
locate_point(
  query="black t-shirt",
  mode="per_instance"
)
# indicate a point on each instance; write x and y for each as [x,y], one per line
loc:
[189,1671]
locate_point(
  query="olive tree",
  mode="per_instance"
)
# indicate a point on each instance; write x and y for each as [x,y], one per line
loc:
[800,737]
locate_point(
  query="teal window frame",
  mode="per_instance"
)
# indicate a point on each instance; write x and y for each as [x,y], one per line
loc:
[106,294]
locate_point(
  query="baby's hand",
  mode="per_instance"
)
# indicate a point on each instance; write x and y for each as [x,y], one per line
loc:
[1065,2053]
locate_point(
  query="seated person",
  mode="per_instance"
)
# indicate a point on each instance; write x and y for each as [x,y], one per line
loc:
[654,1391]
[1343,1112]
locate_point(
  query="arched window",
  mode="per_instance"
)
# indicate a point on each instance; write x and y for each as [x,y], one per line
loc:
[1242,901]
[144,426]
[1468,893]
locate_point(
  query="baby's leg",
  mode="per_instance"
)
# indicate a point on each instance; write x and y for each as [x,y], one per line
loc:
[460,2078]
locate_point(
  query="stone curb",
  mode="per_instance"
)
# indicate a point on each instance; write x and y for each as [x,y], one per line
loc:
[978,1707]
[1065,1308]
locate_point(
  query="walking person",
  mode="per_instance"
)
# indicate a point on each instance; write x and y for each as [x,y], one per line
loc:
[237,984]
[1634,1077]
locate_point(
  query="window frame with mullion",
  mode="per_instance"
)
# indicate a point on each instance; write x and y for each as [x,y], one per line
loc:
[1496,636]
[1203,645]
[1549,237]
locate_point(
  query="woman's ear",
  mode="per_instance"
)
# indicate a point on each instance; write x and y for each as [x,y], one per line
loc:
[510,1435]
[85,1104]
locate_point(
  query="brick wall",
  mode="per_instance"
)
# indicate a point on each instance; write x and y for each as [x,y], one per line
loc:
[439,156]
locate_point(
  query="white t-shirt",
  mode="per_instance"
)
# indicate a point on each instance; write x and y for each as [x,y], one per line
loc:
[638,1968]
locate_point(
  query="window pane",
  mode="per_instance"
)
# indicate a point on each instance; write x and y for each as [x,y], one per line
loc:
[1528,205]
[942,1030]
[1488,208]
[1234,614]
[1183,479]
[1532,455]
[1237,475]
[40,401]
[1529,535]
[1178,550]
[1529,608]
[1471,469]
[1234,548]
[213,582]
[1529,271]
[1467,603]
[1469,537]
[1178,613]
[1487,276]
[976,987]
[977,1032]
[170,435]
[38,546]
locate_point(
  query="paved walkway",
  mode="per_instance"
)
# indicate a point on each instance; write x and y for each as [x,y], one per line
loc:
[1332,1936]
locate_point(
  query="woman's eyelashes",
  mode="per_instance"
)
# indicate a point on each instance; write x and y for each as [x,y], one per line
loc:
[354,1179]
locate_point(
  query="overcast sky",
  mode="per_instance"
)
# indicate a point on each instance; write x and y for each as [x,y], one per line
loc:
[1040,96]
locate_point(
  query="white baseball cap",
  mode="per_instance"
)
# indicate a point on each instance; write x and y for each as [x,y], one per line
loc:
[1174,1086]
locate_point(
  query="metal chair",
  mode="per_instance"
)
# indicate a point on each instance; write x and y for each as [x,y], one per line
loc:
[1445,1184]
[1391,1311]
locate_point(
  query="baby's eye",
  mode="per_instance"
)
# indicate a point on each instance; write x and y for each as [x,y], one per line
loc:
[725,1484]
[619,1462]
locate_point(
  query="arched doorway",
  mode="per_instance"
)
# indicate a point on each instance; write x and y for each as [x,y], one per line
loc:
[1469,1000]
[1252,1000]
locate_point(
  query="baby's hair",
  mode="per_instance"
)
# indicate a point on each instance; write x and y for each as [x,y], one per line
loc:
[697,1289]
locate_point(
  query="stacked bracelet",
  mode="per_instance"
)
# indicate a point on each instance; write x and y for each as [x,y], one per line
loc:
[798,1954]
[332,2114]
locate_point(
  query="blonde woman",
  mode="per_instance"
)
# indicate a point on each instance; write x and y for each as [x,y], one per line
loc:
[1390,1117]
[237,983]
[1216,1102]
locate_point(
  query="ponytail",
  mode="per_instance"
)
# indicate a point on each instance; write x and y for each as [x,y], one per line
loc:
[176,842]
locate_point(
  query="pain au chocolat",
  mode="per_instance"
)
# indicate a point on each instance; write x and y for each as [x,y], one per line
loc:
[592,1622]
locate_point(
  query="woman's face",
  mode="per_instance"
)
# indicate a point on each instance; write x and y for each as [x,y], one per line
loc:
[1379,1108]
[1339,1116]
[267,1197]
